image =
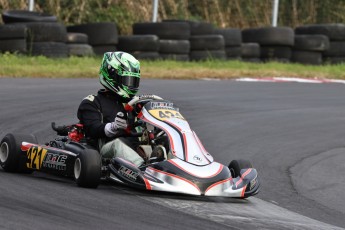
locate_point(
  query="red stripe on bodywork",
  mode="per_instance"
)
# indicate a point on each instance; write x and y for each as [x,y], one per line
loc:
[242,176]
[246,173]
[215,184]
[175,176]
[238,182]
[243,191]
[180,167]
[147,183]
[25,147]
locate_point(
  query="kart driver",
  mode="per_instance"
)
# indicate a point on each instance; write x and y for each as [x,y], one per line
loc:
[103,115]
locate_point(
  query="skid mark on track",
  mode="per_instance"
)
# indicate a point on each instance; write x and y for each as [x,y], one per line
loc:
[252,213]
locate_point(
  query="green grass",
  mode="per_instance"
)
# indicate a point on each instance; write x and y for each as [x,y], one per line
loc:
[75,67]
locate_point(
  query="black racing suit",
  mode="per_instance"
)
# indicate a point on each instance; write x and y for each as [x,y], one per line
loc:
[95,111]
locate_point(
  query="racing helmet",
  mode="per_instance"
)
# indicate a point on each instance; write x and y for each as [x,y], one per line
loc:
[120,73]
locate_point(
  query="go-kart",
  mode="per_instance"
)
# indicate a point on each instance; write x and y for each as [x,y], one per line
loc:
[182,165]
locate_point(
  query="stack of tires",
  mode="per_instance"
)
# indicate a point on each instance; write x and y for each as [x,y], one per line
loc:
[275,42]
[250,52]
[102,36]
[47,39]
[45,36]
[204,43]
[336,34]
[172,36]
[233,40]
[13,38]
[143,47]
[78,45]
[308,49]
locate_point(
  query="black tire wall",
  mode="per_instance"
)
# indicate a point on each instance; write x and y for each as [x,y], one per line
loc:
[102,33]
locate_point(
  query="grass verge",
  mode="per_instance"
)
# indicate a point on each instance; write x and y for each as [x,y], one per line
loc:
[87,67]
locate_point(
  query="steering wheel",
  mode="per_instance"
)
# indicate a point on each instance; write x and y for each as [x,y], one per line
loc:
[130,106]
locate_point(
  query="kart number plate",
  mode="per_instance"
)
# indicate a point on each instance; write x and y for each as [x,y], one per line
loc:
[165,114]
[35,156]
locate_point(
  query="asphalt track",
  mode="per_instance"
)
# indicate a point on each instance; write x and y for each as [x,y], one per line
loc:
[293,133]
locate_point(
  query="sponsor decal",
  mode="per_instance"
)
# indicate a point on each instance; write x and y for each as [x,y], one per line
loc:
[253,183]
[35,155]
[55,161]
[146,96]
[162,105]
[165,114]
[197,158]
[130,174]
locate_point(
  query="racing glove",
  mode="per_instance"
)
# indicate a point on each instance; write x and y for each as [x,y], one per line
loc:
[119,124]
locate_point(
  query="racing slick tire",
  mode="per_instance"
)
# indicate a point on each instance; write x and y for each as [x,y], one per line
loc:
[236,166]
[12,158]
[87,169]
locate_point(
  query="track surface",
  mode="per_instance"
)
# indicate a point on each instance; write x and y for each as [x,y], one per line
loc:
[293,133]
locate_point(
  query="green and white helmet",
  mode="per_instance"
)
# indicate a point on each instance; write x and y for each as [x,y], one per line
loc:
[120,73]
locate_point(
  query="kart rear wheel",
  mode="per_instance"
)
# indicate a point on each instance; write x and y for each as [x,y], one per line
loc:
[12,158]
[87,169]
[236,166]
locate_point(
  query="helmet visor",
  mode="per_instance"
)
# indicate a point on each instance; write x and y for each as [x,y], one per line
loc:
[125,79]
[131,82]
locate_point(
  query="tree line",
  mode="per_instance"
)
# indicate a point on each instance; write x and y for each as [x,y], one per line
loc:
[222,13]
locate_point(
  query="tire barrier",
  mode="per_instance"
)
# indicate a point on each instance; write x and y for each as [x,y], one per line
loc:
[275,53]
[177,50]
[250,52]
[46,32]
[140,44]
[49,49]
[13,38]
[164,30]
[175,57]
[13,46]
[306,57]
[144,55]
[47,39]
[101,35]
[77,44]
[174,46]
[182,40]
[336,34]
[200,28]
[204,43]
[311,42]
[336,52]
[275,42]
[195,27]
[201,55]
[308,49]
[78,38]
[207,42]
[233,40]
[101,49]
[204,47]
[233,52]
[170,42]
[14,16]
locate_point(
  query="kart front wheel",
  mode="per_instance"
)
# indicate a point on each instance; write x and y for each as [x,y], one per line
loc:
[12,158]
[236,166]
[87,169]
